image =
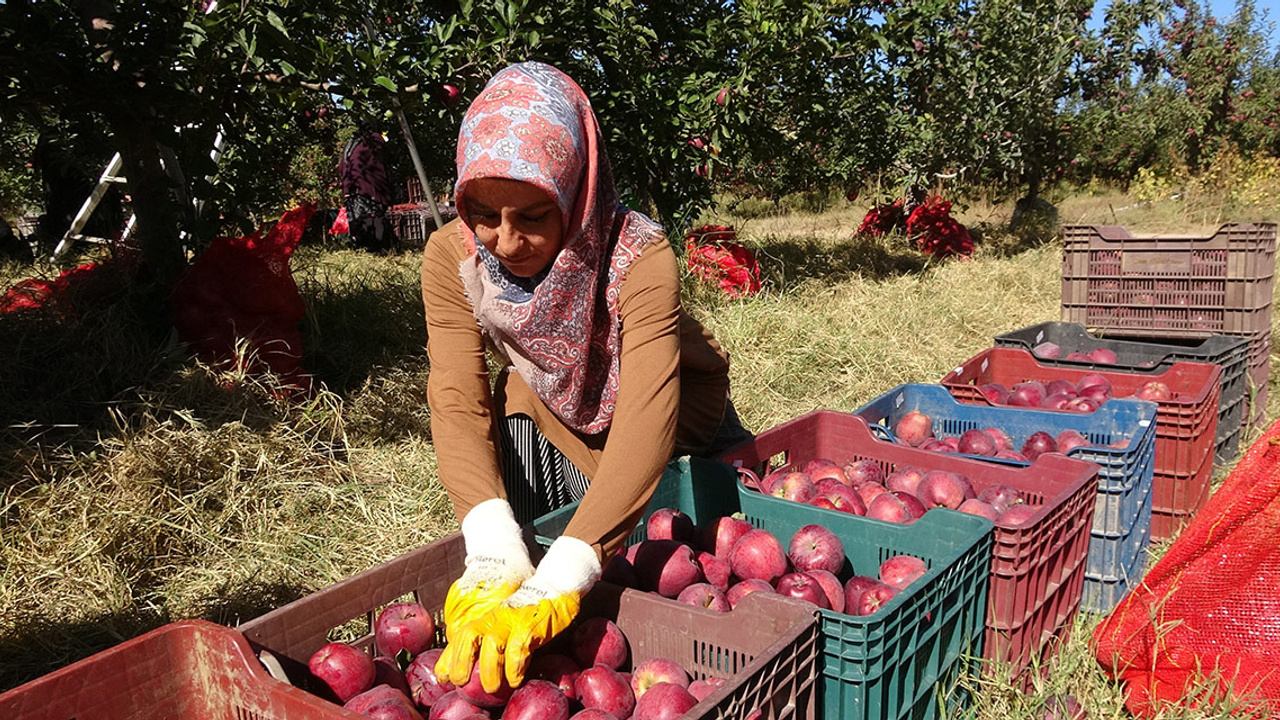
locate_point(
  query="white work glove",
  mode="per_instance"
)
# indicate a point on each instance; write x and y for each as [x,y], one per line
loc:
[497,563]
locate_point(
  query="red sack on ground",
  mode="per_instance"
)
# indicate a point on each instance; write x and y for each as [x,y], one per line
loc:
[242,289]
[340,226]
[1203,629]
[714,255]
[76,290]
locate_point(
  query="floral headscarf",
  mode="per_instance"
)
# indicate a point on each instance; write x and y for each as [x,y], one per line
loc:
[560,329]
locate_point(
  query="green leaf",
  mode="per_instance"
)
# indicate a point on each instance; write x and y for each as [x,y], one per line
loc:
[274,20]
[385,82]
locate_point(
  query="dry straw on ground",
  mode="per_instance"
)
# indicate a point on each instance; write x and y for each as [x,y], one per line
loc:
[138,488]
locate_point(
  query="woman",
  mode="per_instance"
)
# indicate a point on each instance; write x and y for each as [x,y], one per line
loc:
[605,376]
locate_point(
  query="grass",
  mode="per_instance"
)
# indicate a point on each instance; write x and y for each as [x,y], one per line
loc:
[137,487]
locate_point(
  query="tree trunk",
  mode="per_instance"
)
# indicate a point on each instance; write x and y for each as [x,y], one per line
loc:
[154,203]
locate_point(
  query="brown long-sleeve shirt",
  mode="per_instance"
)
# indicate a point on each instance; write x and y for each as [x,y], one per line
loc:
[673,383]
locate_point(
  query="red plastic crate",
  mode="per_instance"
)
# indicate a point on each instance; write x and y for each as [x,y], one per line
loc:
[1191,286]
[188,670]
[1037,571]
[1186,426]
[766,648]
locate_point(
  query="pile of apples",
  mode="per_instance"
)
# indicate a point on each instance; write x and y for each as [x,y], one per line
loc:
[916,429]
[904,495]
[583,671]
[1053,351]
[1084,396]
[716,566]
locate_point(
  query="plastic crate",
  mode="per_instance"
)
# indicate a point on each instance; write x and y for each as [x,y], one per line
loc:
[1150,356]
[766,648]
[899,663]
[1162,286]
[1185,426]
[1037,570]
[1125,471]
[188,670]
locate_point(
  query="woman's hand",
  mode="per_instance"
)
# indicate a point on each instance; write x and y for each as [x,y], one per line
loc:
[497,563]
[501,642]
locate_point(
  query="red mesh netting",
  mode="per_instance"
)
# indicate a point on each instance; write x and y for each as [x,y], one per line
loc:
[242,289]
[1204,626]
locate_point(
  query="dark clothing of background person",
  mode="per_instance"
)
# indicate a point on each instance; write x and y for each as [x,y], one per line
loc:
[366,191]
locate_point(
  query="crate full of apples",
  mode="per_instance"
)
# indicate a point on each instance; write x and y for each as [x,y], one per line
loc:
[1186,395]
[914,597]
[627,655]
[1119,438]
[1042,513]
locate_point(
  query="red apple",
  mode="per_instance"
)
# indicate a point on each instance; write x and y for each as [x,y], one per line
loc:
[821,468]
[1017,514]
[1069,440]
[722,97]
[1155,391]
[977,442]
[914,507]
[385,698]
[943,489]
[657,670]
[702,689]
[559,670]
[1097,394]
[1057,401]
[831,587]
[864,470]
[974,506]
[794,486]
[705,595]
[1091,380]
[665,567]
[1065,387]
[902,570]
[814,547]
[1027,394]
[599,642]
[952,443]
[803,586]
[758,555]
[473,692]
[424,687]
[1047,350]
[1000,497]
[620,572]
[873,598]
[449,95]
[768,482]
[452,706]
[889,508]
[537,700]
[603,688]
[1003,442]
[387,672]
[719,537]
[995,393]
[1011,455]
[1083,404]
[744,588]
[664,701]
[1082,357]
[346,670]
[843,498]
[715,570]
[936,446]
[1106,356]
[914,428]
[1063,707]
[824,502]
[868,492]
[1038,444]
[854,589]
[904,479]
[669,524]
[592,714]
[404,626]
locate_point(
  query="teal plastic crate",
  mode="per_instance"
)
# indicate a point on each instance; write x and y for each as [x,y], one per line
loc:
[902,662]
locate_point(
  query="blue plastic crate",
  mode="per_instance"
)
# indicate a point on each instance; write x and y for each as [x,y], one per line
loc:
[902,662]
[1102,591]
[1122,515]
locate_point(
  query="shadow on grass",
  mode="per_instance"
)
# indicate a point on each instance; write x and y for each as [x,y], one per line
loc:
[785,262]
[36,646]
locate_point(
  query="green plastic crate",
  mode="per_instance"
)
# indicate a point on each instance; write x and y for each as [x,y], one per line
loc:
[902,662]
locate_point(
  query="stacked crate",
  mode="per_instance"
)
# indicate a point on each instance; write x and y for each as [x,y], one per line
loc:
[1176,287]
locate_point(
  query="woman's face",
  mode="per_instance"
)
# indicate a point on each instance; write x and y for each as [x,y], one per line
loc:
[516,222]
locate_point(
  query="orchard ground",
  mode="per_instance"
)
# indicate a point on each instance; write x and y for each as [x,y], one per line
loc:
[137,487]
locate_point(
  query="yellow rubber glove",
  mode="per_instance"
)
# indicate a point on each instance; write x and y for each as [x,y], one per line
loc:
[499,644]
[497,564]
